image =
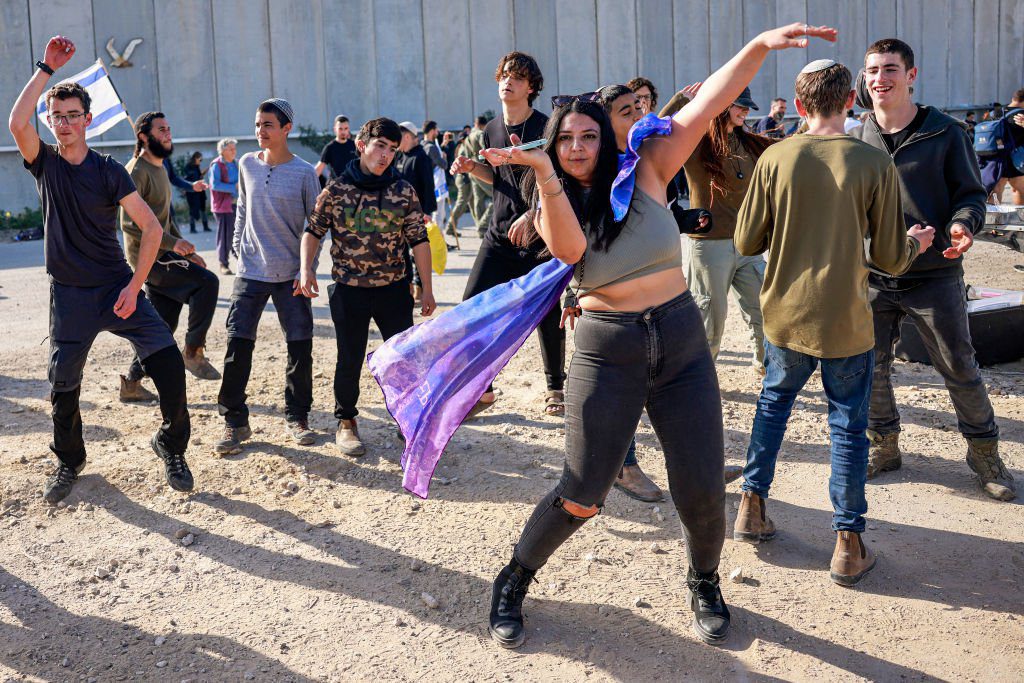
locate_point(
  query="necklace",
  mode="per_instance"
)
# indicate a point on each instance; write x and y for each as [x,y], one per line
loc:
[734,158]
[508,130]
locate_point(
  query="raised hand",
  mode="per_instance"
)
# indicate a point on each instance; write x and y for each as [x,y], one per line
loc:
[59,51]
[796,35]
[691,90]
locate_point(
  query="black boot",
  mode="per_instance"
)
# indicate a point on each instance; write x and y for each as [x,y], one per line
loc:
[507,596]
[710,615]
[59,485]
[176,470]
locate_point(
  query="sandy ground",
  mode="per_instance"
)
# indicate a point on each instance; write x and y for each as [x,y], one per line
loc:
[306,565]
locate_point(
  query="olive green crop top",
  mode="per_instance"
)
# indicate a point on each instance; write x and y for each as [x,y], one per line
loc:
[649,243]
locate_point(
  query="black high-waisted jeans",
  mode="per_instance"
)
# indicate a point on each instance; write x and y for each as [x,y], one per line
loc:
[657,358]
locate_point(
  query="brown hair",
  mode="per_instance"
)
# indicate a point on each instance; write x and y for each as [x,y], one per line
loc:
[380,128]
[895,46]
[824,92]
[640,82]
[713,148]
[522,65]
[67,91]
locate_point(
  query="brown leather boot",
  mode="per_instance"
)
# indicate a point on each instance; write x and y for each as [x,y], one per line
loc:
[634,483]
[196,363]
[132,391]
[983,459]
[851,559]
[347,438]
[884,455]
[752,522]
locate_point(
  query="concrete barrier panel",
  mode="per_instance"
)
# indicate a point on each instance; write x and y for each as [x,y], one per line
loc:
[241,30]
[351,60]
[184,31]
[399,43]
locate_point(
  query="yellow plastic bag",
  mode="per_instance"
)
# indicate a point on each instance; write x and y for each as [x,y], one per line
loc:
[438,248]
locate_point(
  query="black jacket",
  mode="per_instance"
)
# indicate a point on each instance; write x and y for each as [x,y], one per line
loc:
[417,168]
[939,185]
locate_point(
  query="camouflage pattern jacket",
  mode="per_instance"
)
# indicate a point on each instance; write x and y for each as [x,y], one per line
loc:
[370,230]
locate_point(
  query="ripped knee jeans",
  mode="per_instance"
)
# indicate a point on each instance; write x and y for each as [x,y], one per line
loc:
[658,359]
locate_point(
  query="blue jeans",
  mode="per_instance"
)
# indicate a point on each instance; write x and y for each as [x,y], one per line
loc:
[847,383]
[631,454]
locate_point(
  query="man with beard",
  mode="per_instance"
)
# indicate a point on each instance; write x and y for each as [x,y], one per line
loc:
[179,275]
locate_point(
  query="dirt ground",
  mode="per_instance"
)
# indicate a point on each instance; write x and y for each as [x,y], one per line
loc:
[302,564]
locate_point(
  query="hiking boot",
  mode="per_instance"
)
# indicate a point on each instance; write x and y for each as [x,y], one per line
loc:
[884,455]
[732,473]
[634,483]
[132,391]
[301,433]
[196,363]
[710,613]
[752,522]
[59,485]
[851,559]
[231,443]
[983,459]
[347,438]
[176,470]
[507,595]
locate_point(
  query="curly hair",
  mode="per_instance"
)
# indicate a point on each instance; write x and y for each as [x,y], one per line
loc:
[68,91]
[640,82]
[524,66]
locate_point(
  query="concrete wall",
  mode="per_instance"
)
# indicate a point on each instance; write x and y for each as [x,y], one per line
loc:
[207,63]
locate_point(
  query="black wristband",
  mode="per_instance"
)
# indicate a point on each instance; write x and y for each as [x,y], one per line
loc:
[44,67]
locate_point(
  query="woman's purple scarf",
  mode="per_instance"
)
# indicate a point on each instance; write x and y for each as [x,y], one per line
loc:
[434,373]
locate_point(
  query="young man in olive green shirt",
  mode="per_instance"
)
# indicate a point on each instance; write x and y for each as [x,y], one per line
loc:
[812,201]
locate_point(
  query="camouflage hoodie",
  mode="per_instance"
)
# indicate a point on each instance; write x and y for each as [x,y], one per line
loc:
[372,221]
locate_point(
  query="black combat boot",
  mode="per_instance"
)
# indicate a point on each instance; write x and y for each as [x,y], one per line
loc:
[507,596]
[710,615]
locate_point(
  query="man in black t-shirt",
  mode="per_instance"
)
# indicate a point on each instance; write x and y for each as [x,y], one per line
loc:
[338,152]
[92,287]
[519,82]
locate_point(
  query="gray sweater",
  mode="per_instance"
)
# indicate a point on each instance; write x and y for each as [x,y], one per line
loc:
[273,205]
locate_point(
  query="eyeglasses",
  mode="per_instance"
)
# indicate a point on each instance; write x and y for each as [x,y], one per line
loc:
[644,98]
[564,100]
[64,119]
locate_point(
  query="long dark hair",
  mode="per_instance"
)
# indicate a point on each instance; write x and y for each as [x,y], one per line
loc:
[594,213]
[713,148]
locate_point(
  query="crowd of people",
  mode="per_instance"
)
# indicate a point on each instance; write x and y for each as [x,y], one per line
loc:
[647,303]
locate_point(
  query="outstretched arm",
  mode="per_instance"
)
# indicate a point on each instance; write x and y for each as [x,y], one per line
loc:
[59,50]
[666,155]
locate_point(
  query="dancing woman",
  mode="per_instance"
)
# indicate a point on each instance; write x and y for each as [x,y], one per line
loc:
[638,342]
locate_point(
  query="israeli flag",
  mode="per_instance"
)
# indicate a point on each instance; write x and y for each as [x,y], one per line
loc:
[107,107]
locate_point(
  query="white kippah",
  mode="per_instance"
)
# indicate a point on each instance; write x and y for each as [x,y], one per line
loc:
[818,65]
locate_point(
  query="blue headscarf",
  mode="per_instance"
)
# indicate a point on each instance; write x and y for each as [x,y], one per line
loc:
[625,181]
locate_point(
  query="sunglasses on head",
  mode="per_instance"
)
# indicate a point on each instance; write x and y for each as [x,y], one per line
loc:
[564,100]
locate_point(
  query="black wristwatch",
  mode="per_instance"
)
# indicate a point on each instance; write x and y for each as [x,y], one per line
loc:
[44,67]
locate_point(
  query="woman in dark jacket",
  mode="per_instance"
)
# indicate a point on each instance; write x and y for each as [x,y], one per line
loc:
[196,200]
